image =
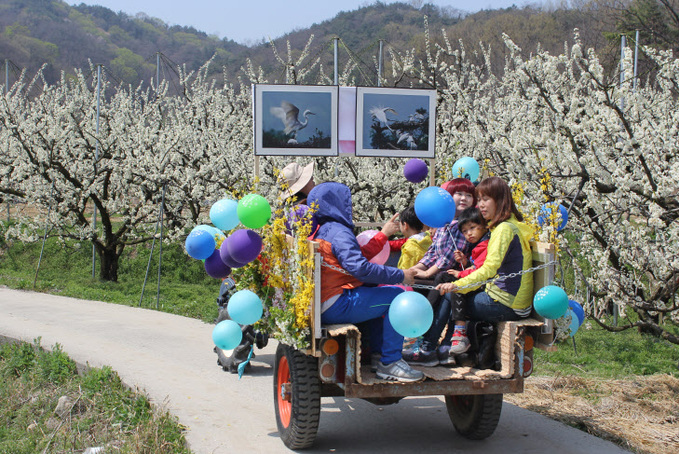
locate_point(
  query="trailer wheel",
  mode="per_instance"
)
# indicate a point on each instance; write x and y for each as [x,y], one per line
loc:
[297,397]
[475,416]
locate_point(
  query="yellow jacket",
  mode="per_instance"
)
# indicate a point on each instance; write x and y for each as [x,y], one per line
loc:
[508,252]
[413,250]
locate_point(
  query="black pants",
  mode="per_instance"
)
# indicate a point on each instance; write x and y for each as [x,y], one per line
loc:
[446,310]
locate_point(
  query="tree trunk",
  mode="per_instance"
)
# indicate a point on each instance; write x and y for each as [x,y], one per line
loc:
[108,264]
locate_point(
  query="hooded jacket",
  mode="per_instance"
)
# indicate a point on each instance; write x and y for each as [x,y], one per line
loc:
[508,252]
[338,245]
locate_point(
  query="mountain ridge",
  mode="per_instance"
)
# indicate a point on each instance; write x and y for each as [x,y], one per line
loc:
[64,37]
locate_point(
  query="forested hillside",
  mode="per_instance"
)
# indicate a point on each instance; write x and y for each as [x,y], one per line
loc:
[37,32]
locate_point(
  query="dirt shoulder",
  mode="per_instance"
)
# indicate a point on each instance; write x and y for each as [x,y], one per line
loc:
[639,413]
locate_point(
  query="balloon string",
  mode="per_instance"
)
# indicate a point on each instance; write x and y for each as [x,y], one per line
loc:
[455,245]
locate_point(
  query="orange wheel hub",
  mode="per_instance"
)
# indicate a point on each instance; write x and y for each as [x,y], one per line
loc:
[283,396]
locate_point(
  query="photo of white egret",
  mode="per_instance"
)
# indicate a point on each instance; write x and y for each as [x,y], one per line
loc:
[396,122]
[295,120]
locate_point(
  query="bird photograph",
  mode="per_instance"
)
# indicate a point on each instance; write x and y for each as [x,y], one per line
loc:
[393,121]
[296,120]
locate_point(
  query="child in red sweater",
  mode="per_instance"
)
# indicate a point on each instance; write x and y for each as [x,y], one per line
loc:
[475,230]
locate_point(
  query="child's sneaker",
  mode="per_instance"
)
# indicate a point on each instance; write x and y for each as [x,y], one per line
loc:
[460,343]
[443,353]
[421,357]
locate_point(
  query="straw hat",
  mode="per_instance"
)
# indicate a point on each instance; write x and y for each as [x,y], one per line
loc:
[296,178]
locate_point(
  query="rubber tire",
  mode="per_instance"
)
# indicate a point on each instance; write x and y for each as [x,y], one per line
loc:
[475,416]
[304,410]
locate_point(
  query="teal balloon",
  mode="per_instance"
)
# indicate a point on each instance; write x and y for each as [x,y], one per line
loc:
[577,308]
[227,335]
[254,211]
[224,215]
[466,167]
[575,322]
[245,307]
[410,314]
[551,302]
[434,206]
[214,231]
[200,244]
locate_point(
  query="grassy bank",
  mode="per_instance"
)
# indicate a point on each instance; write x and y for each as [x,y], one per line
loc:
[66,269]
[46,406]
[601,354]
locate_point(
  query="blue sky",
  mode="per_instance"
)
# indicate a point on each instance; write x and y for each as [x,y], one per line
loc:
[247,22]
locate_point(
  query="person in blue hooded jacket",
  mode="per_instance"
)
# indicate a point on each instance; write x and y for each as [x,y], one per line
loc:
[346,293]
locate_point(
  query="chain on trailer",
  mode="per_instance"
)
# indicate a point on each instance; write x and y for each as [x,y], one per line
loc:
[472,285]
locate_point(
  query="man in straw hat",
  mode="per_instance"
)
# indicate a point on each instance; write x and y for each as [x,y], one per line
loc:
[299,181]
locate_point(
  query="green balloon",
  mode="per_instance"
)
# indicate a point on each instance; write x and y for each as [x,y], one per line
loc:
[253,211]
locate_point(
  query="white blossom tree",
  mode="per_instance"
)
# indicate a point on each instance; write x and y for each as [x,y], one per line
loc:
[560,129]
[146,142]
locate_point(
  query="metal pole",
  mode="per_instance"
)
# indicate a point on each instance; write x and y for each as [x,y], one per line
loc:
[335,61]
[96,158]
[157,71]
[148,265]
[380,57]
[636,55]
[160,242]
[622,68]
[44,237]
[336,82]
[6,90]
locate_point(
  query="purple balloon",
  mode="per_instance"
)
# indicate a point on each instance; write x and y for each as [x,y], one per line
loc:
[298,213]
[415,170]
[244,245]
[215,267]
[226,257]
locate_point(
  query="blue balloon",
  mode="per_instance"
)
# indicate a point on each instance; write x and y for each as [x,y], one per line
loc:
[410,314]
[466,167]
[575,322]
[199,244]
[245,307]
[227,335]
[434,206]
[577,308]
[546,212]
[223,214]
[551,302]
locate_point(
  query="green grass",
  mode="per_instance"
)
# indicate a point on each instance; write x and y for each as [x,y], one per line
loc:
[102,411]
[607,355]
[66,269]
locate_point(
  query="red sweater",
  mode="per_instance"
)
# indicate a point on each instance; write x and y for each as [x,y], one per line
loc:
[478,257]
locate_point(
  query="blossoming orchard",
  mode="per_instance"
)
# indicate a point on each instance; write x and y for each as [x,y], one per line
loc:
[559,128]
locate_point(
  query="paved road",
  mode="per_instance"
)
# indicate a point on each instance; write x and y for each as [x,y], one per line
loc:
[170,358]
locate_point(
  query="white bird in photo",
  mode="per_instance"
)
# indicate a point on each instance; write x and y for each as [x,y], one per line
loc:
[381,114]
[288,113]
[410,140]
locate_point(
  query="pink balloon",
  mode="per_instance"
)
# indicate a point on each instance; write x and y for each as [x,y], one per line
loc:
[383,255]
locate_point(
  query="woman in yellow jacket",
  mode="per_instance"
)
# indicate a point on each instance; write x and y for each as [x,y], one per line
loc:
[508,252]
